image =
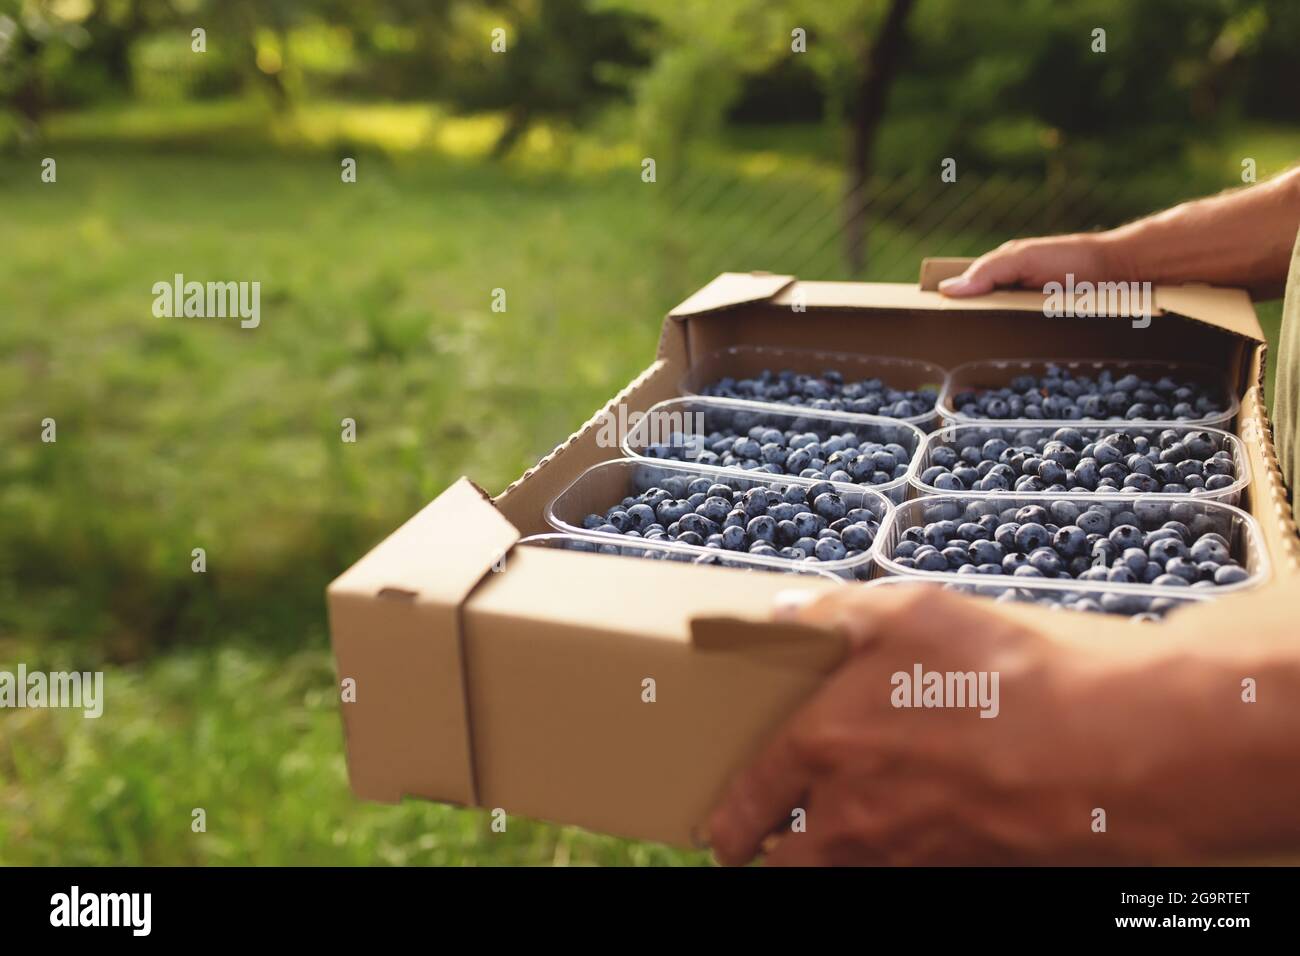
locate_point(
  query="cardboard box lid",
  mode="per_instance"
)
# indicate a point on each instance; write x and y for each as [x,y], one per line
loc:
[1227,309]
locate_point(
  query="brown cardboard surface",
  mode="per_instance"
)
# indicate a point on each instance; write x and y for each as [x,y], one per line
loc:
[395,629]
[558,649]
[523,689]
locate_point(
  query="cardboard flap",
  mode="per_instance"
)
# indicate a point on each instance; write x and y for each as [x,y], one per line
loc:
[395,624]
[731,289]
[935,270]
[786,645]
[1229,309]
[441,553]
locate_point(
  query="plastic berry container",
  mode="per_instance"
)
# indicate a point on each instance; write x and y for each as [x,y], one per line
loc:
[1242,532]
[660,551]
[748,361]
[676,428]
[1028,432]
[1077,596]
[604,485]
[988,374]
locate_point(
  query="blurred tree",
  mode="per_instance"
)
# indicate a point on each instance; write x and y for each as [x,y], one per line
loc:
[853,47]
[561,59]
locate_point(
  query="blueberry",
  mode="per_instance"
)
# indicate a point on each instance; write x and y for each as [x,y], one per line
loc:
[1208,548]
[983,552]
[858,537]
[931,560]
[1012,562]
[829,549]
[1230,574]
[808,545]
[1126,536]
[830,506]
[1046,561]
[1093,521]
[1135,559]
[760,528]
[1030,536]
[733,538]
[786,532]
[1069,541]
[943,456]
[1166,549]
[1005,535]
[697,524]
[1119,574]
[783,511]
[756,501]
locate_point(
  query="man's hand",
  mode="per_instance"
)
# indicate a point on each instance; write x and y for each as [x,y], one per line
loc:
[1240,238]
[1032,263]
[887,784]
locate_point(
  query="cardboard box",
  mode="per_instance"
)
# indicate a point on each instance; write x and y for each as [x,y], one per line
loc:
[513,678]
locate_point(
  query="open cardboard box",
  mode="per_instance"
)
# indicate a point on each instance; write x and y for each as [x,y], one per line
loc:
[513,679]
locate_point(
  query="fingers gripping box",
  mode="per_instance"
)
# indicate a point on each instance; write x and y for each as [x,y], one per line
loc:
[619,694]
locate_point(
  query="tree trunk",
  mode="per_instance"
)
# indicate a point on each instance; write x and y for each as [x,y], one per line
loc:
[517,124]
[868,109]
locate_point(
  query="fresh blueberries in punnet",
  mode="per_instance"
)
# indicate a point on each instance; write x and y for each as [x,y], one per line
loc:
[1161,542]
[806,524]
[827,391]
[1138,607]
[1031,460]
[1060,394]
[819,449]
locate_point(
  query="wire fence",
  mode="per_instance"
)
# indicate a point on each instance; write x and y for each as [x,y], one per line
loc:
[797,222]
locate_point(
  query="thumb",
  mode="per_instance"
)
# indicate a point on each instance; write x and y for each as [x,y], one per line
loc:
[984,274]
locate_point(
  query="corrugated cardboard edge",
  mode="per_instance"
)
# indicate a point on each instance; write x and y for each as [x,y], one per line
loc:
[591,424]
[1257,433]
[396,633]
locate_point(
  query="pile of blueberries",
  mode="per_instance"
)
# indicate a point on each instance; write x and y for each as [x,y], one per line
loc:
[801,523]
[1062,395]
[843,457]
[827,391]
[1137,606]
[1067,539]
[1171,461]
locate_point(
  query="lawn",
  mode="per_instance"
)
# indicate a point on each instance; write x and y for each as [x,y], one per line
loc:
[183,433]
[174,434]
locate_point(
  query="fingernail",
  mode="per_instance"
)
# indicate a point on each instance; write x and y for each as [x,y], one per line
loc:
[955,284]
[786,605]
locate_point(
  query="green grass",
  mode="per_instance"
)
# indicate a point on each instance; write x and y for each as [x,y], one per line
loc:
[182,433]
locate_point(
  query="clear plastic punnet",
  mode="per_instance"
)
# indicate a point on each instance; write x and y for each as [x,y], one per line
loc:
[1064,595]
[678,430]
[602,486]
[1035,434]
[1147,513]
[981,376]
[659,551]
[749,361]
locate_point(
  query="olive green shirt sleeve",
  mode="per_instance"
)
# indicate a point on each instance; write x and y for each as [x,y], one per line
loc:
[1286,395]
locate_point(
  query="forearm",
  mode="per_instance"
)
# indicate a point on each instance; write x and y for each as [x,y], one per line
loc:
[1240,238]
